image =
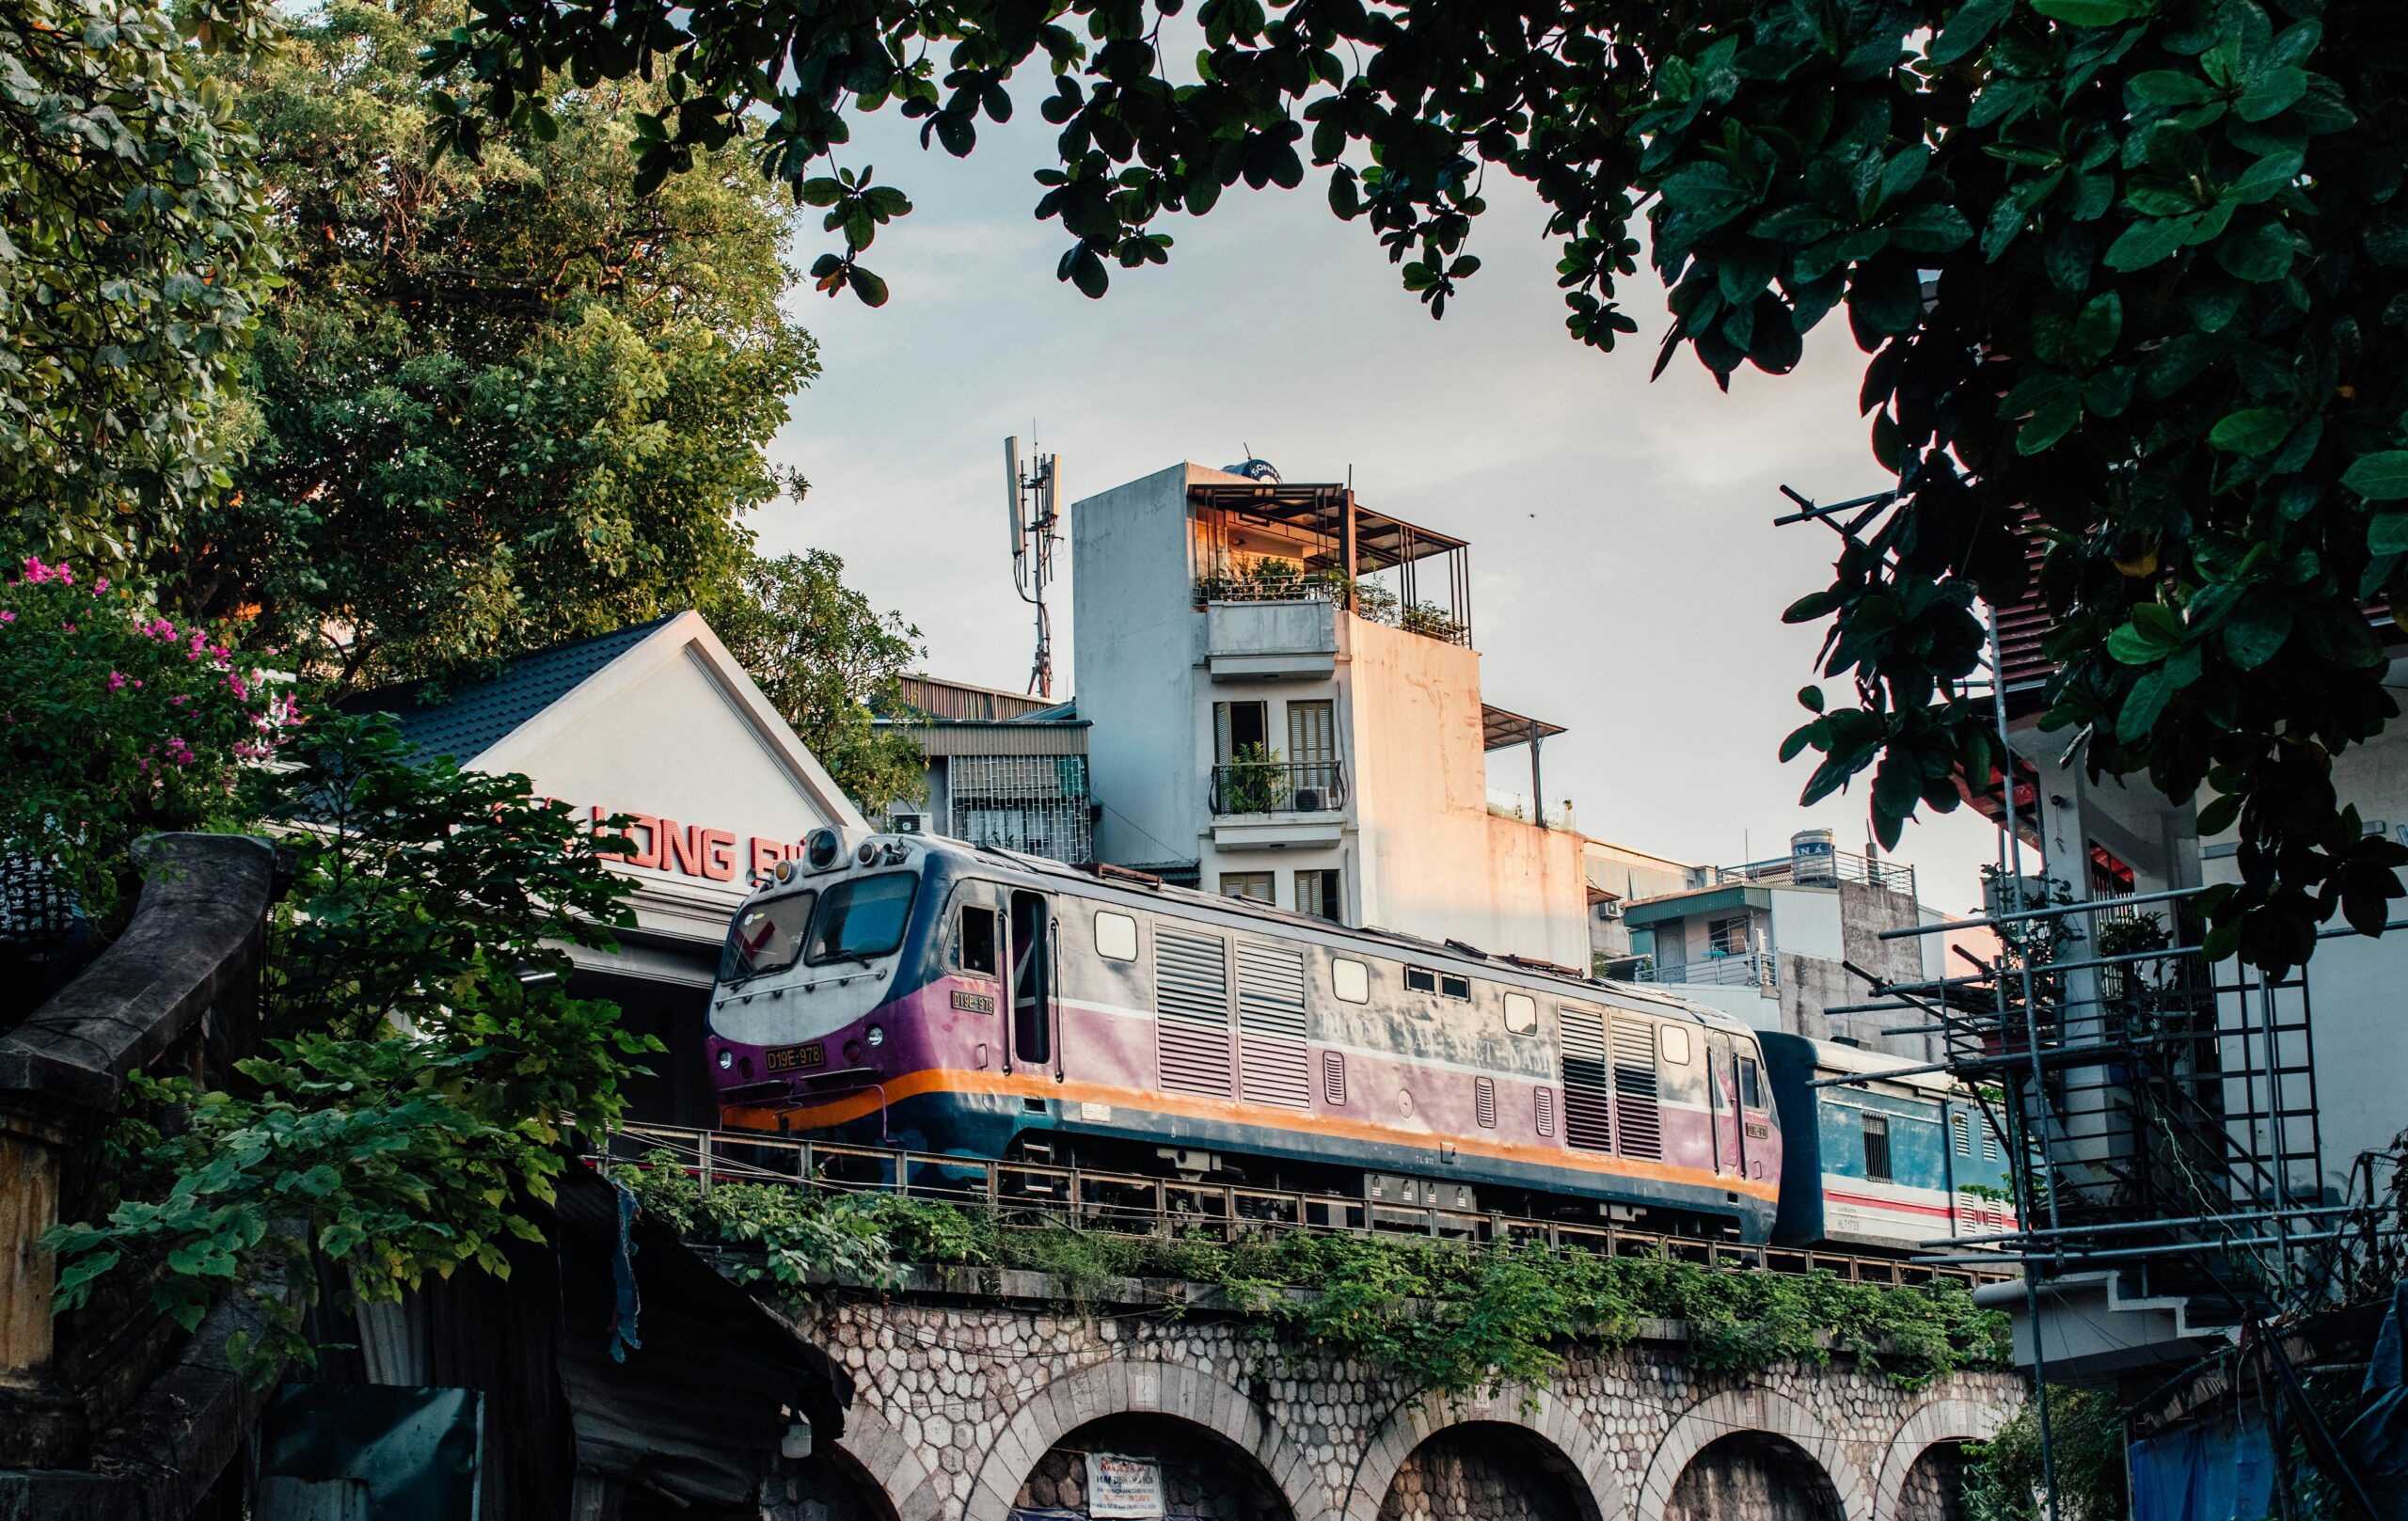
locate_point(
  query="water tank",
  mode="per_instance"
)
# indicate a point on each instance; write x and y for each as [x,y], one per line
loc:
[1812,860]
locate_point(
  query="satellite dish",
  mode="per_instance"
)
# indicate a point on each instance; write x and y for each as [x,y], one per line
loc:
[1255,469]
[1011,496]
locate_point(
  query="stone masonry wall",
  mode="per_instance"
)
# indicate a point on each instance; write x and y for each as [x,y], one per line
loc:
[960,1397]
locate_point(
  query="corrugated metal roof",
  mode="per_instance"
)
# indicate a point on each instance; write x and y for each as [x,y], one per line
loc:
[1020,737]
[1681,905]
[468,719]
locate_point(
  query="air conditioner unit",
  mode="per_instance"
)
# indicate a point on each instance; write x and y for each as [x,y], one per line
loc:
[907,824]
[1610,909]
[1306,801]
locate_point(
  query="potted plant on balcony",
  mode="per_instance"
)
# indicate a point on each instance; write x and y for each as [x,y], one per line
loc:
[1254,782]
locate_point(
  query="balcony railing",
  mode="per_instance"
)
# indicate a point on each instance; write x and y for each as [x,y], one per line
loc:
[1278,788]
[1817,871]
[1750,970]
[1373,603]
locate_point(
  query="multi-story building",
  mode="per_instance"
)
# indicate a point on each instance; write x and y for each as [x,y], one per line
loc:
[1773,942]
[1284,704]
[1003,768]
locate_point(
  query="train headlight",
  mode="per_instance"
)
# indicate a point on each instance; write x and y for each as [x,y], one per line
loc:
[784,871]
[822,848]
[726,1058]
[867,854]
[877,1034]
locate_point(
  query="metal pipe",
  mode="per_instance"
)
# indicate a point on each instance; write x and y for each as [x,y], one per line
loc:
[2087,905]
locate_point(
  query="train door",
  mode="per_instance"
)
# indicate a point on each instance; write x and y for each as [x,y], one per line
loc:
[1722,1101]
[1034,954]
[1755,1110]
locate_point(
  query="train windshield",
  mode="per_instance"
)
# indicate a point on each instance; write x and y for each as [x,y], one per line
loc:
[864,918]
[765,937]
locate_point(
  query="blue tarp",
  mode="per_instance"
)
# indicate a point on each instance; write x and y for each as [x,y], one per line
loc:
[2212,1471]
[2376,1443]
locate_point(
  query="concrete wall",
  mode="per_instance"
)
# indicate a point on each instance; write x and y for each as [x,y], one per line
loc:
[1136,640]
[1438,862]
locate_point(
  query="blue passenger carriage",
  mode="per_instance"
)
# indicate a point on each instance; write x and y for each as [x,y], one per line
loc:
[1892,1160]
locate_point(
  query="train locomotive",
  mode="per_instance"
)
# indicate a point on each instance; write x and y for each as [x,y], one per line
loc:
[919,992]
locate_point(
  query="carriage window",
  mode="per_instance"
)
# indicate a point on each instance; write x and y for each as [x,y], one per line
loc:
[1350,980]
[1750,1093]
[973,944]
[765,935]
[1521,1013]
[1115,937]
[1876,1147]
[1676,1046]
[1452,987]
[1421,980]
[863,918]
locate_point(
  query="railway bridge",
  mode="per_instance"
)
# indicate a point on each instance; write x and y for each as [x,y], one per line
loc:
[976,1397]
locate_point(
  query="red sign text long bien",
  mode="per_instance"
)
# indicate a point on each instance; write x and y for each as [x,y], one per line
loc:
[696,851]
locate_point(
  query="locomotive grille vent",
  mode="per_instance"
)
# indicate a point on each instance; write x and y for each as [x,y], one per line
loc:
[1484,1095]
[1639,1126]
[1272,1061]
[1192,998]
[1543,1105]
[1333,1078]
[1588,1115]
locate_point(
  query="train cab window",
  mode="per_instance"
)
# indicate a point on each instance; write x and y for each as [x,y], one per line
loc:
[1675,1042]
[1521,1013]
[1876,1147]
[1115,937]
[765,937]
[1350,981]
[862,919]
[1032,980]
[1453,987]
[1421,980]
[1752,1093]
[973,941]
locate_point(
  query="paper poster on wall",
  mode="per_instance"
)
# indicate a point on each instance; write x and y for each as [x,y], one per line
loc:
[1123,1488]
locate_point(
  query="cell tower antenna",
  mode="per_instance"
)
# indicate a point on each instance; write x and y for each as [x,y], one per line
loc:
[1037,509]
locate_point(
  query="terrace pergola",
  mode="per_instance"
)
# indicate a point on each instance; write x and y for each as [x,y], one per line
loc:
[1347,539]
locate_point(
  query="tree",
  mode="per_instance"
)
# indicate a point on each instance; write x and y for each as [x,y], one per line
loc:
[132,262]
[407,1117]
[822,654]
[2130,272]
[500,404]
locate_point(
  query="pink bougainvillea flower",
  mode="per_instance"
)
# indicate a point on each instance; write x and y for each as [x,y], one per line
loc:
[116,681]
[8,617]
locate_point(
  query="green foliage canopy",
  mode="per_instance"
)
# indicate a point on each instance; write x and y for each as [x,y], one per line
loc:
[2130,272]
[133,260]
[822,654]
[497,405]
[425,1055]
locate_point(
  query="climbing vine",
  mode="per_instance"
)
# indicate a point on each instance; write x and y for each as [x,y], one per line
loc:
[1443,1314]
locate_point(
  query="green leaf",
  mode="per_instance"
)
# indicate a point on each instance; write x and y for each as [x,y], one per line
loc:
[2166,87]
[2143,706]
[2379,477]
[1967,29]
[2095,330]
[2259,254]
[2254,431]
[2145,242]
[868,287]
[2092,12]
[2256,629]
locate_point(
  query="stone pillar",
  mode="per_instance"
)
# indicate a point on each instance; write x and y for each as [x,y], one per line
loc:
[30,1149]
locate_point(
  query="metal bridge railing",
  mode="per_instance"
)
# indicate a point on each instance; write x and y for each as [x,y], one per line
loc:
[1039,1193]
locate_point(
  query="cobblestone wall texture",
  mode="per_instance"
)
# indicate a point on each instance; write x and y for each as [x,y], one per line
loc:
[1482,1472]
[958,1402]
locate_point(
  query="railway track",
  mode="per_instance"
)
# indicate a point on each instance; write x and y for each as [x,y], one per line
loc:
[1039,1193]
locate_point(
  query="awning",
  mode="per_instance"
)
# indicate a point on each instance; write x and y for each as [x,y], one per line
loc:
[1379,540]
[1499,728]
[1680,906]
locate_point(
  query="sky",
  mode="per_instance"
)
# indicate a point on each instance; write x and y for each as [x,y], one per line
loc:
[1627,580]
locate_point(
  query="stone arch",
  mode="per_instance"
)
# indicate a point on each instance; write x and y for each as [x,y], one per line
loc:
[887,1461]
[1535,1411]
[1118,1387]
[1751,1410]
[1933,1422]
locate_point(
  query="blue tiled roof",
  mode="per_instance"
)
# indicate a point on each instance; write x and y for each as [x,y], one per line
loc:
[469,719]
